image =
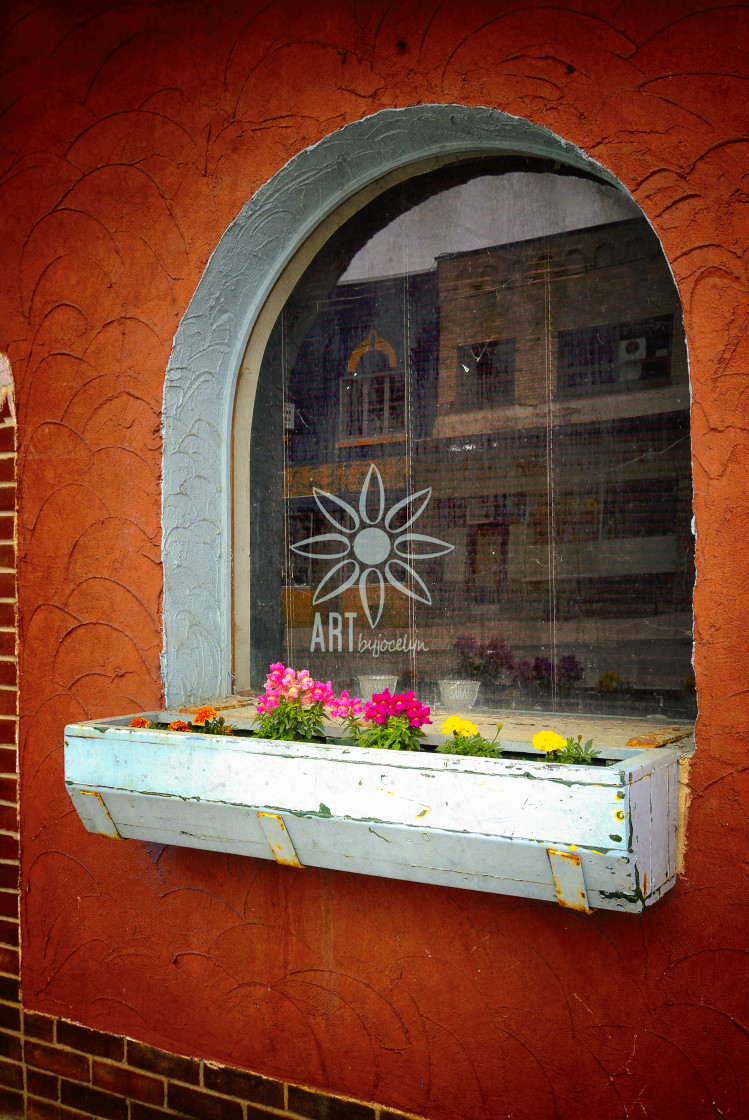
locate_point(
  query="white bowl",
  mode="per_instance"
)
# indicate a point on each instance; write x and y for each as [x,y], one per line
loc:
[369,685]
[459,694]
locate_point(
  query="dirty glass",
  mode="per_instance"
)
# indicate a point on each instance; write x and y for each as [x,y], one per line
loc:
[470,455]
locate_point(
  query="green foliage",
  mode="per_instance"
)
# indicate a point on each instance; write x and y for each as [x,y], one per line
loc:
[575,753]
[471,745]
[465,739]
[396,735]
[215,726]
[289,722]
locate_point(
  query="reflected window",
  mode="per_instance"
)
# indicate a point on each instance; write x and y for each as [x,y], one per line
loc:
[615,358]
[485,375]
[470,453]
[372,393]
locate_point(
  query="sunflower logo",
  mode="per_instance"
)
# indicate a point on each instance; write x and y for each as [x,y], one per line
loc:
[371,546]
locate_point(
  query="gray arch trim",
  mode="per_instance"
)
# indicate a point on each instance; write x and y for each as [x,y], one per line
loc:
[210,342]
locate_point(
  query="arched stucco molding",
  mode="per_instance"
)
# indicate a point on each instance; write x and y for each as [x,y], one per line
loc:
[211,339]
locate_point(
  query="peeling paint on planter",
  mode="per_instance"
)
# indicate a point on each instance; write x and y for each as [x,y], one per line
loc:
[507,826]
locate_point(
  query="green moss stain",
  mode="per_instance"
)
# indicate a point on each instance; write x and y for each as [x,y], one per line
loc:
[636,898]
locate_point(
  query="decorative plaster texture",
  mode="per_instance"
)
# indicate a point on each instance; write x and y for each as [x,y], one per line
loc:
[133,135]
[210,342]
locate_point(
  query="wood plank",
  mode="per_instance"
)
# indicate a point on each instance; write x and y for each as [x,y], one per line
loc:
[672,824]
[429,856]
[661,867]
[520,803]
[129,738]
[659,738]
[638,823]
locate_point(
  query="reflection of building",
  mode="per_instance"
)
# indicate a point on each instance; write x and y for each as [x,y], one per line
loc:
[547,408]
[354,404]
[577,330]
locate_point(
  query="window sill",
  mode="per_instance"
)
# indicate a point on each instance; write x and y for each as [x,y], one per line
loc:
[371,441]
[587,837]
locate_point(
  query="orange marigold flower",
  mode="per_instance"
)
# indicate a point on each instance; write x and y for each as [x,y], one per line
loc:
[139,721]
[204,715]
[179,725]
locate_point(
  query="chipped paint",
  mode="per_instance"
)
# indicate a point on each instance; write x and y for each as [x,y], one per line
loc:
[635,897]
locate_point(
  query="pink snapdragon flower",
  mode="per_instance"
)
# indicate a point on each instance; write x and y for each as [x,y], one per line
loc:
[382,706]
[293,707]
[348,707]
[267,703]
[298,687]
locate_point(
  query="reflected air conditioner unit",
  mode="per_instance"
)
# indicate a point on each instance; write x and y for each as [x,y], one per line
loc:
[632,353]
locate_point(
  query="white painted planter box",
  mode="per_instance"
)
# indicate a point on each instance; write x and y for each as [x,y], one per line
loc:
[585,836]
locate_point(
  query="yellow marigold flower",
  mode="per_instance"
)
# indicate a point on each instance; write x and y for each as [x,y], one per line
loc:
[204,715]
[179,725]
[454,725]
[139,721]
[549,741]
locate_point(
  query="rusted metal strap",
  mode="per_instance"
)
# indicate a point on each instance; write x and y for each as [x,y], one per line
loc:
[103,823]
[568,880]
[279,839]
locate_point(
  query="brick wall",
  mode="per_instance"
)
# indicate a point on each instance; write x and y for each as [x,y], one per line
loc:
[10,1013]
[51,1069]
[56,1070]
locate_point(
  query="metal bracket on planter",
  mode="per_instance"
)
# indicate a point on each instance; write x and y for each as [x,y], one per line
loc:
[568,880]
[102,821]
[279,839]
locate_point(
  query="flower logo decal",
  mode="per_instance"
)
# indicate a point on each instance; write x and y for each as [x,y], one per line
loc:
[368,542]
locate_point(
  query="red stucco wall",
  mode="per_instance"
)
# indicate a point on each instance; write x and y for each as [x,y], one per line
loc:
[133,135]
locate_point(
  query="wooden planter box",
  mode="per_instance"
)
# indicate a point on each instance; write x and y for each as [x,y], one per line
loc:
[584,836]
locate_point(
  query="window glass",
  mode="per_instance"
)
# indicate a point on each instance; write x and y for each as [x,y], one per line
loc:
[470,453]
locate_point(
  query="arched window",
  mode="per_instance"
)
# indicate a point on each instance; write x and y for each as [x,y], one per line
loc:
[469,454]
[372,396]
